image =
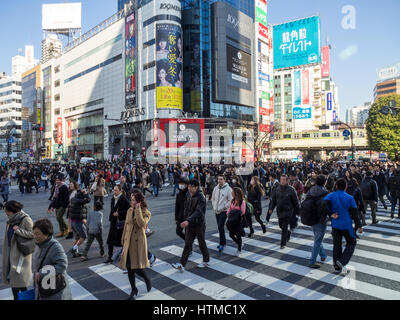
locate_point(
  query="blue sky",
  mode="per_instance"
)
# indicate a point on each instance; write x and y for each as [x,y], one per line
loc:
[376,39]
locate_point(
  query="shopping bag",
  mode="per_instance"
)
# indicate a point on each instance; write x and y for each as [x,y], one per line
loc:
[27,295]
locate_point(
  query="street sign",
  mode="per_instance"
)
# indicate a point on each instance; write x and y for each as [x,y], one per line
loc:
[11,140]
[346,133]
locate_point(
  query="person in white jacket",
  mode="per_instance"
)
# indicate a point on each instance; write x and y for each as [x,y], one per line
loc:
[221,201]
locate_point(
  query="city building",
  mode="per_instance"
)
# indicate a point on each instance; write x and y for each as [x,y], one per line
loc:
[31,100]
[20,64]
[51,47]
[357,116]
[10,116]
[121,4]
[388,81]
[305,97]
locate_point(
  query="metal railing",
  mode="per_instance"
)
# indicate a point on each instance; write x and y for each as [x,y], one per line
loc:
[97,29]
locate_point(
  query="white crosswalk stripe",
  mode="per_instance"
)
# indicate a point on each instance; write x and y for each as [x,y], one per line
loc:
[271,273]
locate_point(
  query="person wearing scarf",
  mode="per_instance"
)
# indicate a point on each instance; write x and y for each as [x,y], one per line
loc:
[16,268]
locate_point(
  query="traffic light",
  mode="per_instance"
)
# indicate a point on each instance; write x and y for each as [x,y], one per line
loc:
[9,149]
[41,129]
[43,152]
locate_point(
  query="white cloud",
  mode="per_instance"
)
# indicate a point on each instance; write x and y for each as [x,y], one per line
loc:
[348,52]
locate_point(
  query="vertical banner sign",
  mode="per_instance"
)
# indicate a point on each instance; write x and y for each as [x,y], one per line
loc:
[59,130]
[306,86]
[169,66]
[261,16]
[334,116]
[69,131]
[329,101]
[297,88]
[130,60]
[325,70]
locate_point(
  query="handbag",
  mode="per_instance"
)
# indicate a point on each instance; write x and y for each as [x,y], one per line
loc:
[60,281]
[94,186]
[120,224]
[24,245]
[26,295]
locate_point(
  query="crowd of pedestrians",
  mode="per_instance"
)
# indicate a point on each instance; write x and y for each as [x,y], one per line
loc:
[315,192]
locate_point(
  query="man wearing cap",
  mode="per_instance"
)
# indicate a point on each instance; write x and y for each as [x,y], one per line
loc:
[60,203]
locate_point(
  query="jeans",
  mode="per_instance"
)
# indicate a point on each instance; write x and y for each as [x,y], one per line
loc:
[176,186]
[60,212]
[15,292]
[237,238]
[5,197]
[342,256]
[155,189]
[318,249]
[190,235]
[221,219]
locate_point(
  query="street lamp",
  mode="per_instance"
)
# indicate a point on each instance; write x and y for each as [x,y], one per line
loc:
[339,123]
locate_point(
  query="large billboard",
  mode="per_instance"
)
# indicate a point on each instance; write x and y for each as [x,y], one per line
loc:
[297,43]
[169,56]
[232,43]
[182,132]
[388,73]
[62,16]
[130,61]
[59,131]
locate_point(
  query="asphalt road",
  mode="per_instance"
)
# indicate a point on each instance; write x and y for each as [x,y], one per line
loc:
[263,271]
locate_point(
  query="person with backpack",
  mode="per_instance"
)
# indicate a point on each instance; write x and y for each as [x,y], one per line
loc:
[236,218]
[284,199]
[342,209]
[312,214]
[17,264]
[255,192]
[221,200]
[369,190]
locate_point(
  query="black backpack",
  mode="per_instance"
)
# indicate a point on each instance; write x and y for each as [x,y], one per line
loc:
[308,210]
[367,189]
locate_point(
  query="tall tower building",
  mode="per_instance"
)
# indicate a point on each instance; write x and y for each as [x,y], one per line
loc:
[51,48]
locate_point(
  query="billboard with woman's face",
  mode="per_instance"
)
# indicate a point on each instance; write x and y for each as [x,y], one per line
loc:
[130,61]
[169,66]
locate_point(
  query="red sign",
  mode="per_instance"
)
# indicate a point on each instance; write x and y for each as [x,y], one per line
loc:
[69,131]
[306,86]
[264,111]
[59,130]
[182,132]
[263,127]
[262,30]
[325,70]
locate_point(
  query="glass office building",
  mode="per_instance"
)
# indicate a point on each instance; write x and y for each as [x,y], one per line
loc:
[197,92]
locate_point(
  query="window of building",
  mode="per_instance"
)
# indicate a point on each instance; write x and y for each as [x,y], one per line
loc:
[57,112]
[149,65]
[316,135]
[325,135]
[57,97]
[57,69]
[149,43]
[57,83]
[306,135]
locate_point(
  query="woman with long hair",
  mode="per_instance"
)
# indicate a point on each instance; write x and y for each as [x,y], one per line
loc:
[235,214]
[73,189]
[255,192]
[134,256]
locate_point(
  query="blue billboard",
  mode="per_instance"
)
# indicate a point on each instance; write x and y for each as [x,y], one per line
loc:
[297,88]
[300,113]
[297,43]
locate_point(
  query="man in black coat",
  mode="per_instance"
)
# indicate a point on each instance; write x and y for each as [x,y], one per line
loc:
[60,204]
[369,190]
[155,178]
[380,180]
[195,225]
[284,198]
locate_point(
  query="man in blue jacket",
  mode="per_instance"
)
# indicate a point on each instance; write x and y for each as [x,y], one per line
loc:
[342,209]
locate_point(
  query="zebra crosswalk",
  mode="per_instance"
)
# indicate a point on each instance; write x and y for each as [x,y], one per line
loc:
[263,271]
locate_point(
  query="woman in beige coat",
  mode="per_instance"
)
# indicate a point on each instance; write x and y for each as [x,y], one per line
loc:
[134,252]
[99,191]
[17,268]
